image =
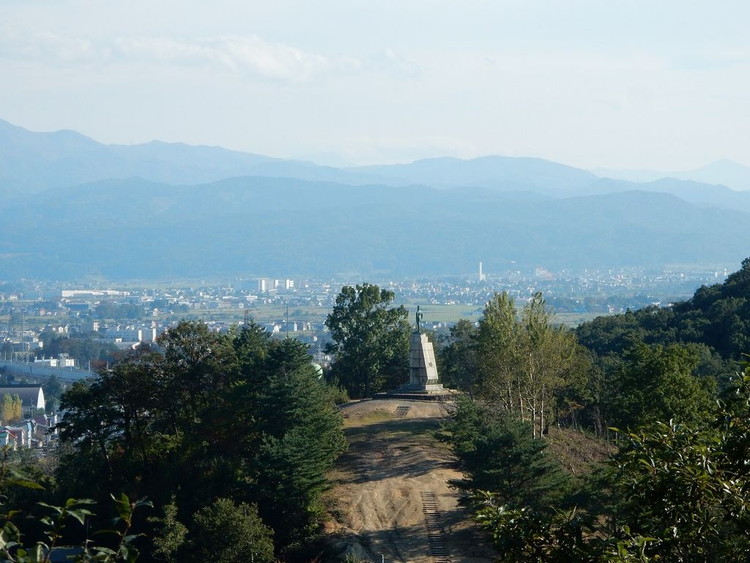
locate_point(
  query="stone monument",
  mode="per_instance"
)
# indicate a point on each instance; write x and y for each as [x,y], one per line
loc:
[423,374]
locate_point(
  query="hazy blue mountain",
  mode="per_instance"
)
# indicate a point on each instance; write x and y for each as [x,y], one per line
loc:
[164,210]
[500,172]
[725,172]
[693,192]
[31,162]
[722,172]
[279,227]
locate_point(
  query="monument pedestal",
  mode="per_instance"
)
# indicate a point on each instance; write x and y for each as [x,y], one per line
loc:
[423,376]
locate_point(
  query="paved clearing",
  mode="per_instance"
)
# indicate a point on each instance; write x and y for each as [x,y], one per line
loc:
[391,498]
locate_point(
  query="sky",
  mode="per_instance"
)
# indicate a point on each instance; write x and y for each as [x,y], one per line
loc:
[596,84]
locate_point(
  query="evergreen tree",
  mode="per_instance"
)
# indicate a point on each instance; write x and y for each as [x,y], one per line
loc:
[370,340]
[499,454]
[656,384]
[301,436]
[458,357]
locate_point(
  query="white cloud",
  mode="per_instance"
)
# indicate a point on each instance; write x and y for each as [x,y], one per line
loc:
[394,62]
[247,54]
[240,54]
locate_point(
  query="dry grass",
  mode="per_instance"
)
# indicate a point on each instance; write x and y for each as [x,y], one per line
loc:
[578,452]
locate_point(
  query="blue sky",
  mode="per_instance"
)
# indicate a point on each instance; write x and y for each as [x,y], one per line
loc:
[618,84]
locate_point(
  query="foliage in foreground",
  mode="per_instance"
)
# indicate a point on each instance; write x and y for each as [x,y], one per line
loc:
[205,417]
[113,545]
[672,492]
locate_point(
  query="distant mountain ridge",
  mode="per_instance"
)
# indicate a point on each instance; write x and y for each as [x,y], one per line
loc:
[73,207]
[281,227]
[31,162]
[489,171]
[722,172]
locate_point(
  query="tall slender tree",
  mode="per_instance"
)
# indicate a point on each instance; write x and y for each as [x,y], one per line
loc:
[498,351]
[525,361]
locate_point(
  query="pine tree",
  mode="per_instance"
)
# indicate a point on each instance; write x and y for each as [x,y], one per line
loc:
[498,454]
[301,437]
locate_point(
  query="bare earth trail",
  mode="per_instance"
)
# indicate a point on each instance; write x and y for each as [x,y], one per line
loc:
[391,498]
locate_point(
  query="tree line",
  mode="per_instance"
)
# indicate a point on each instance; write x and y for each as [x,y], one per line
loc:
[518,360]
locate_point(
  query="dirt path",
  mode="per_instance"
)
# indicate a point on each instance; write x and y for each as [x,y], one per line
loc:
[392,501]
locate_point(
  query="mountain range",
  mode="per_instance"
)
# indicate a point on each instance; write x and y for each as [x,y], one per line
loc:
[724,172]
[72,207]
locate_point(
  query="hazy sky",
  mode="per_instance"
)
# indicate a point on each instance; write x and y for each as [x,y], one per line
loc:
[621,84]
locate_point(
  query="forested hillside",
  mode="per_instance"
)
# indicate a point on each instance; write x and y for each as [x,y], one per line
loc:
[255,226]
[717,316]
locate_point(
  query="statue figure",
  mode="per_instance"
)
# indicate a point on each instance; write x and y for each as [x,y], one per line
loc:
[419,318]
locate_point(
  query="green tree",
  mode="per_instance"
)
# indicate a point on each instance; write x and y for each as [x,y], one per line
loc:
[458,357]
[656,383]
[169,533]
[497,453]
[301,437]
[552,360]
[205,416]
[370,340]
[498,351]
[53,389]
[525,363]
[670,482]
[226,532]
[524,534]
